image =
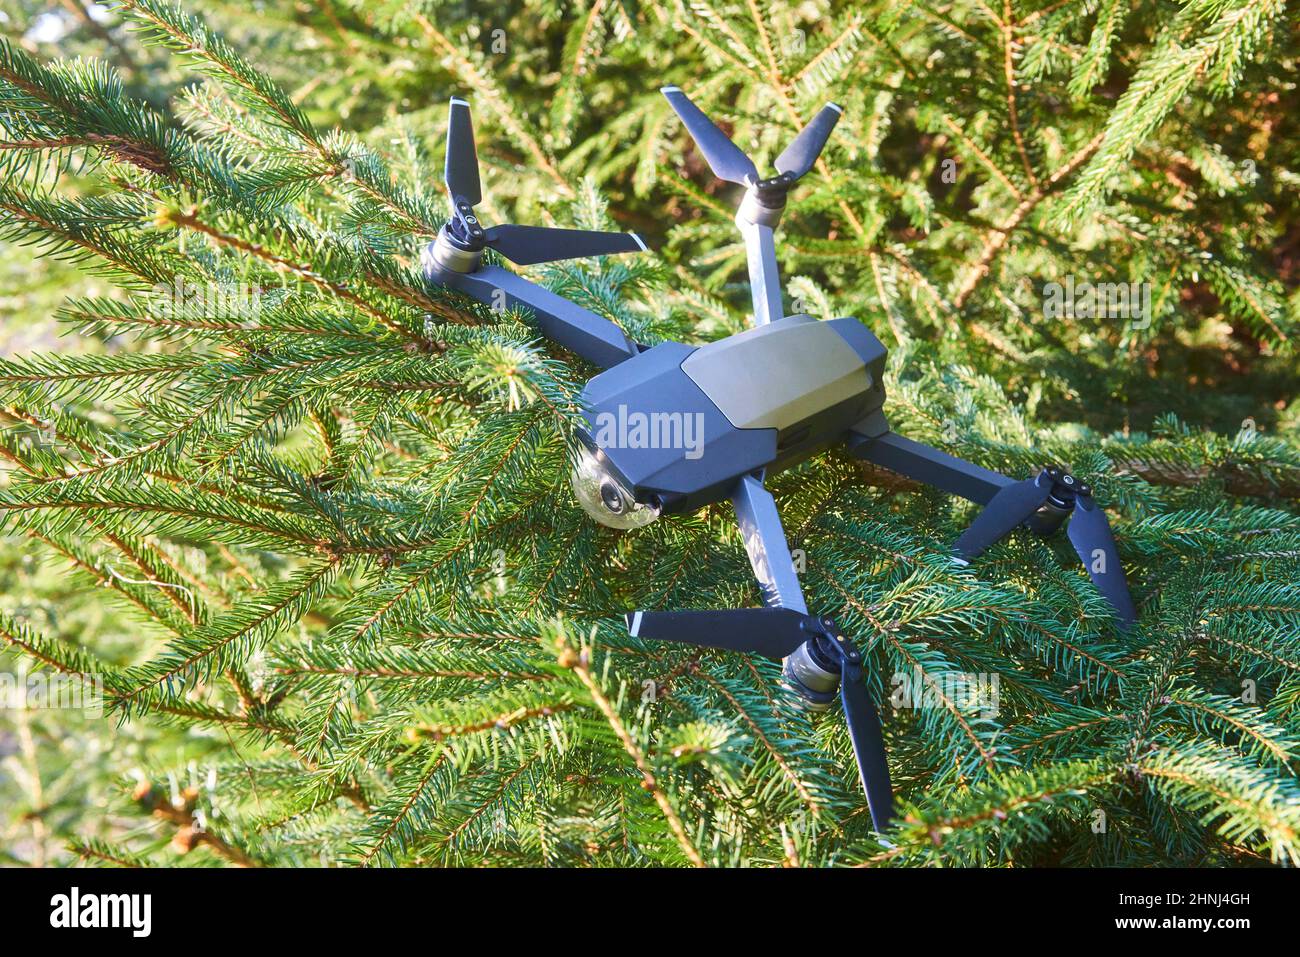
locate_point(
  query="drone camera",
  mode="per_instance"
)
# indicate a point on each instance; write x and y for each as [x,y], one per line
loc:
[605,498]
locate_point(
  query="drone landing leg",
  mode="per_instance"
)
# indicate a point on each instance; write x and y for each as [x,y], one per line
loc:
[579,330]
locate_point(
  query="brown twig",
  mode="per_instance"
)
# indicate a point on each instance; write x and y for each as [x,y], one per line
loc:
[1009,71]
[189,836]
[999,235]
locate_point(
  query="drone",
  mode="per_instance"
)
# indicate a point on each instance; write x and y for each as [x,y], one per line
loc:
[759,401]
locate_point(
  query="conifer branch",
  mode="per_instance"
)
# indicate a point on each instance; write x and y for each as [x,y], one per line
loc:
[190,220]
[187,836]
[577,663]
[323,500]
[1000,235]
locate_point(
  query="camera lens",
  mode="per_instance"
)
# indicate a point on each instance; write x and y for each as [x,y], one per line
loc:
[611,498]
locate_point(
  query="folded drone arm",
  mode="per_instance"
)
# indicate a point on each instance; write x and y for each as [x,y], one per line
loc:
[595,338]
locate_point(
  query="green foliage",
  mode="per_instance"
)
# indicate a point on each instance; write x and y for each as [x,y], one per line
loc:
[306,515]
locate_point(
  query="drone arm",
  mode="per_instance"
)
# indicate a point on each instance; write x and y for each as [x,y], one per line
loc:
[784,630]
[928,465]
[764,274]
[774,630]
[579,330]
[1007,504]
[766,545]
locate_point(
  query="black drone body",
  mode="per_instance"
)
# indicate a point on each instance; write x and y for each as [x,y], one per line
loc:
[674,427]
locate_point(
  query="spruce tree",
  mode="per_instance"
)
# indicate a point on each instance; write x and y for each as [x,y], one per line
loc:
[306,514]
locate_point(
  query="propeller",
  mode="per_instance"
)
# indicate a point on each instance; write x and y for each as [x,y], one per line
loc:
[460,171]
[1089,530]
[770,632]
[523,245]
[798,158]
[868,742]
[1007,510]
[729,162]
[527,245]
[1093,541]
[779,633]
